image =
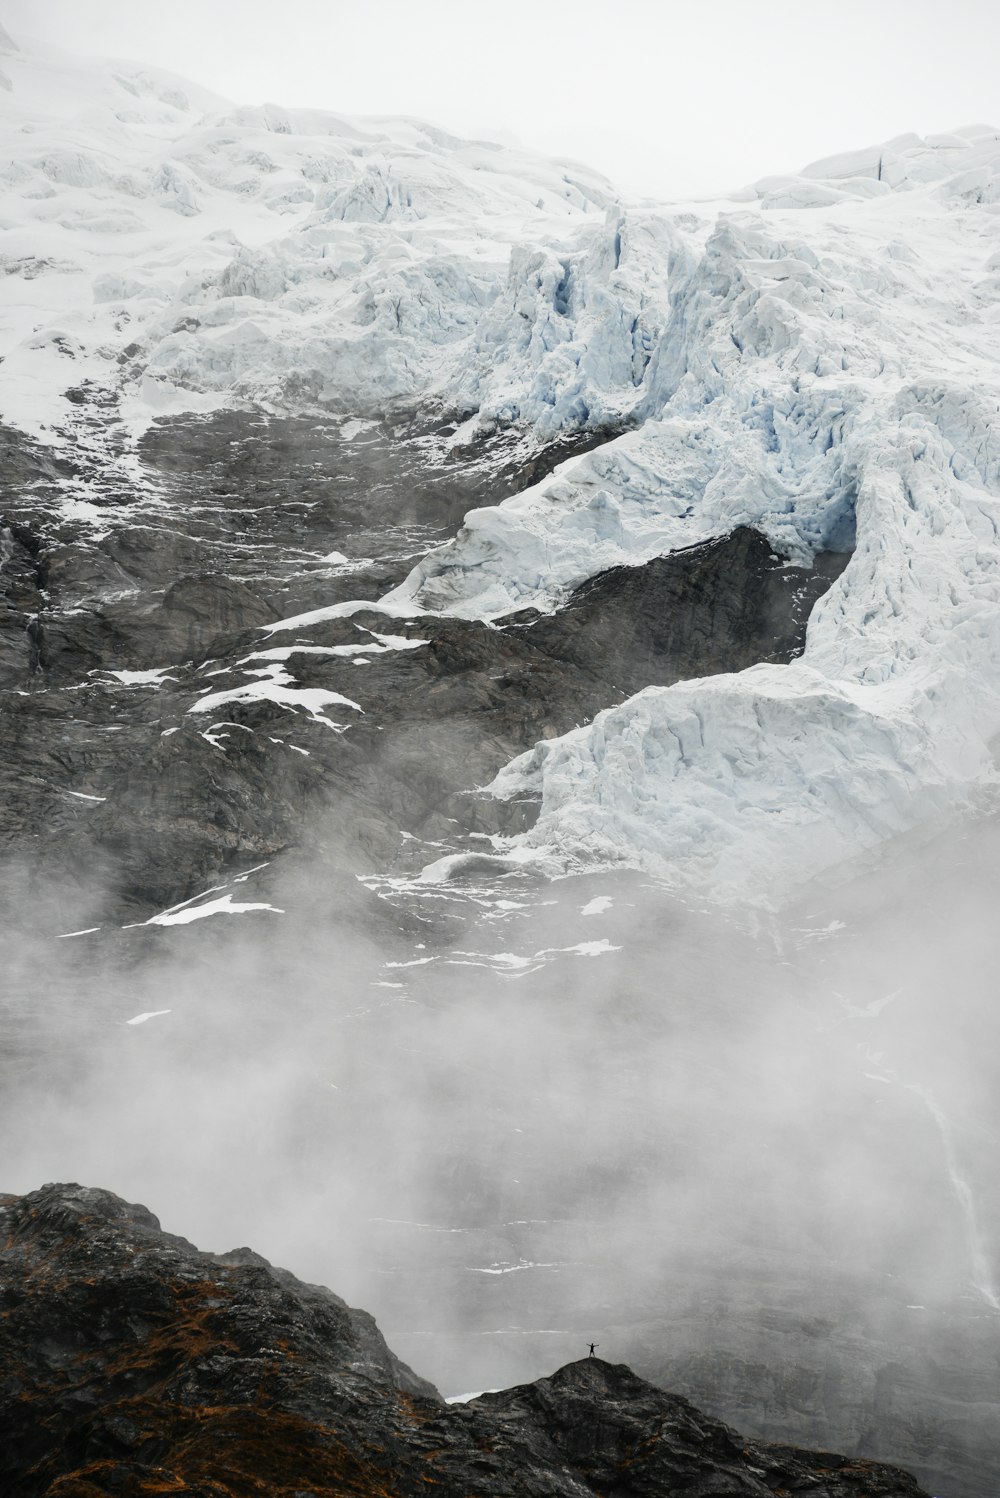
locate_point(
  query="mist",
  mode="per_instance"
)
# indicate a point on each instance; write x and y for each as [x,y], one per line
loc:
[568,1111]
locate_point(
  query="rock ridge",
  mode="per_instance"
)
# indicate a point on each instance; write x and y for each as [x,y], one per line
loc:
[134,1363]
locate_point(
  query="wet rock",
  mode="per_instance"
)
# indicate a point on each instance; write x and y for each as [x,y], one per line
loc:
[22,580]
[200,615]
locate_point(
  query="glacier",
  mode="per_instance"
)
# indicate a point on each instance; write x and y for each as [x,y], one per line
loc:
[187,252]
[814,356]
[829,376]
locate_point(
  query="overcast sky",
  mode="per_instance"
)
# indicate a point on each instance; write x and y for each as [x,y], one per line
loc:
[665,97]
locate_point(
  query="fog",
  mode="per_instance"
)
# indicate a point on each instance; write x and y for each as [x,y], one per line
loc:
[693,1116]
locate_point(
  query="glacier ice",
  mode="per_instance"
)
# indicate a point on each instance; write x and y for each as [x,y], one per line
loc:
[831,379]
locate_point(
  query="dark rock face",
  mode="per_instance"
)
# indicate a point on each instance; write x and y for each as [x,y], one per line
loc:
[229,526]
[720,606]
[133,1363]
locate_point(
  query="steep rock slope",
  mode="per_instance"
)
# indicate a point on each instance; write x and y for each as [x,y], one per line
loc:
[135,1363]
[154,685]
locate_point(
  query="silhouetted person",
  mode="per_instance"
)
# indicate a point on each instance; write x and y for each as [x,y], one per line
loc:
[592,1346]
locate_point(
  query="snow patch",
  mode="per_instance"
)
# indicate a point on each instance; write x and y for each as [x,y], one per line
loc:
[153,678]
[597,906]
[224,905]
[278,687]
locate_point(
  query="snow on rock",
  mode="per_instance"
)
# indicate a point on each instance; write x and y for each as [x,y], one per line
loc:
[582,949]
[274,684]
[394,610]
[152,678]
[597,906]
[224,905]
[380,645]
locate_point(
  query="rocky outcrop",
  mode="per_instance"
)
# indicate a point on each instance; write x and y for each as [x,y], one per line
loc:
[133,1363]
[719,606]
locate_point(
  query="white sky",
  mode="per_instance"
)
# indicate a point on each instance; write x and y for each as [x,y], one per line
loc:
[666,98]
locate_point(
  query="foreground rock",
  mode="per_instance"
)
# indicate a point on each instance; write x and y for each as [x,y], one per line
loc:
[134,1363]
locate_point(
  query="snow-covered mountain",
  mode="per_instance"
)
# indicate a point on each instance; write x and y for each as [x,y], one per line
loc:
[189,252]
[815,357]
[393,524]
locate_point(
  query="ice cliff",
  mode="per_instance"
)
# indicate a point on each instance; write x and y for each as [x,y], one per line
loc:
[828,374]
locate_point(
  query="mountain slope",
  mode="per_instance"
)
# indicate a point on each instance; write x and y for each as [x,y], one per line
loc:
[815,358]
[135,1363]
